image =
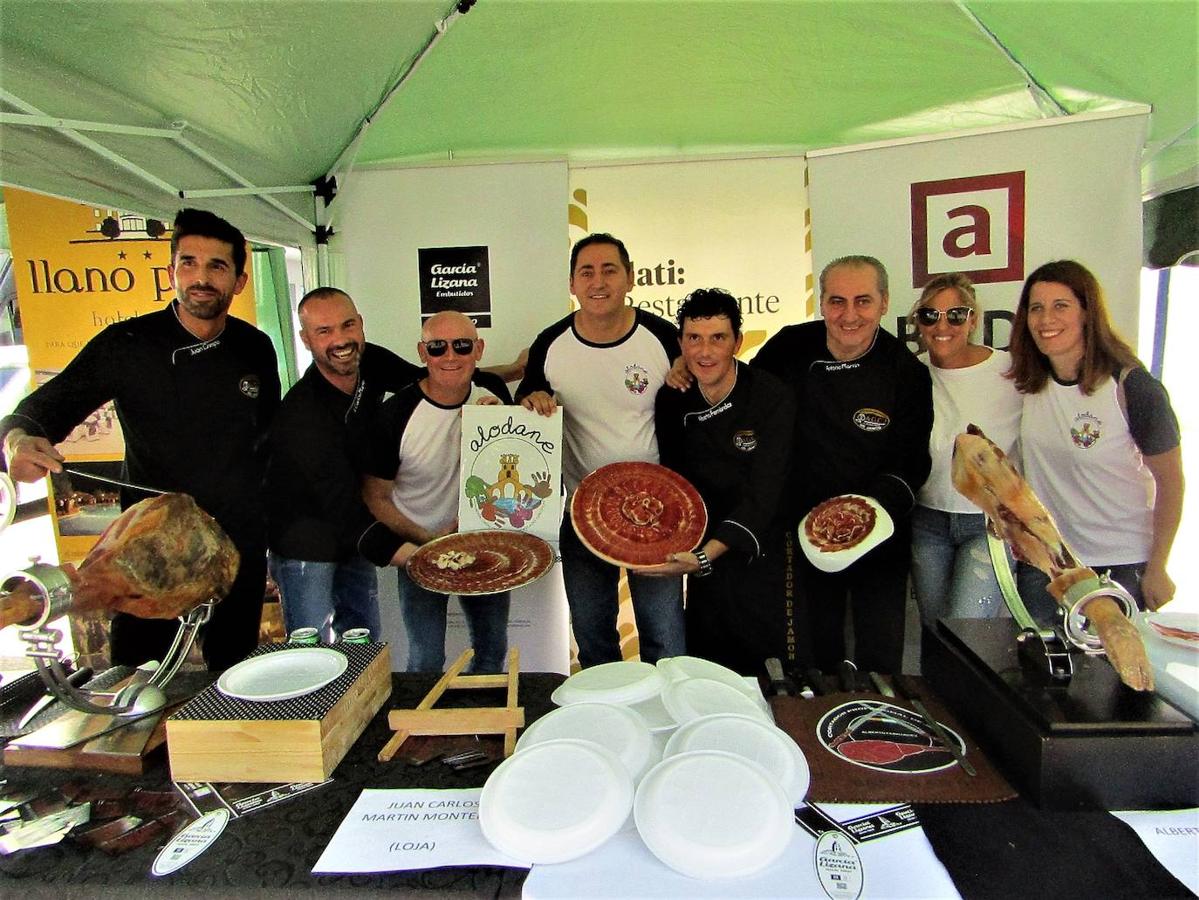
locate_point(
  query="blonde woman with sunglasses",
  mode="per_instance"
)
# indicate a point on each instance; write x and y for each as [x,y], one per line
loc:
[951,566]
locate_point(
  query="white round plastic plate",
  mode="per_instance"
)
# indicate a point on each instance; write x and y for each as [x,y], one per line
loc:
[750,737]
[555,801]
[283,674]
[618,682]
[616,728]
[694,697]
[709,814]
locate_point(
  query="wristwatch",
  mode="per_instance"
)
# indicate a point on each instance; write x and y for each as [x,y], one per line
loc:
[705,564]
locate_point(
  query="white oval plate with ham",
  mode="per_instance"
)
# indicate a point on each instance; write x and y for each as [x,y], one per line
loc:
[826,556]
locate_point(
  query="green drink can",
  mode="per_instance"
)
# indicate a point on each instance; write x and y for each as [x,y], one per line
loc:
[305,637]
[357,636]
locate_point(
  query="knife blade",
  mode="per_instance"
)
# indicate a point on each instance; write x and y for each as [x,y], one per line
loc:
[76,678]
[880,684]
[847,672]
[910,691]
[79,473]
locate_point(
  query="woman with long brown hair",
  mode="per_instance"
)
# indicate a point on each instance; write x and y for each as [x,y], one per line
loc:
[1099,439]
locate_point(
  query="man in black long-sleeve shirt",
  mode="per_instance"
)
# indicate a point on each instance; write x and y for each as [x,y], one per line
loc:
[862,426]
[194,390]
[730,435]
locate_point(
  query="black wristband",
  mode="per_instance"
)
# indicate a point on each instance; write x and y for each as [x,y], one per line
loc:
[705,564]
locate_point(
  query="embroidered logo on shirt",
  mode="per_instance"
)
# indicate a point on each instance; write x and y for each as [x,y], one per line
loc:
[250,385]
[745,441]
[871,419]
[1086,431]
[636,379]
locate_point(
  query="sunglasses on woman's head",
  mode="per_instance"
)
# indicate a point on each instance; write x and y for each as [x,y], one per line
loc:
[438,347]
[955,315]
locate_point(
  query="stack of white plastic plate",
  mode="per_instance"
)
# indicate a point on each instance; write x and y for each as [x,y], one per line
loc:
[615,728]
[692,698]
[748,736]
[678,668]
[620,683]
[555,801]
[709,814]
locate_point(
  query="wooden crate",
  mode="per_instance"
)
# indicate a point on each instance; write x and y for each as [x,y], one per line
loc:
[219,738]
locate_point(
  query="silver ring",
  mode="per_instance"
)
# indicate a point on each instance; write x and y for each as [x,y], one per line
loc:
[1076,625]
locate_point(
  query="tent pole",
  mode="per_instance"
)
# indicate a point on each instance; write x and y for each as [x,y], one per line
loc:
[346,158]
[240,179]
[91,145]
[1039,92]
[82,125]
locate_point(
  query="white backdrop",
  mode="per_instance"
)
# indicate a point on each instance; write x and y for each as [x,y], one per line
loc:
[517,211]
[385,216]
[1080,184]
[737,224]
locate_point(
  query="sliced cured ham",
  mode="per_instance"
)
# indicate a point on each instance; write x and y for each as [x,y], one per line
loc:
[983,474]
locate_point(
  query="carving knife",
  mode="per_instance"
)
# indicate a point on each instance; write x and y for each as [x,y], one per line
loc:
[908,688]
[778,681]
[79,473]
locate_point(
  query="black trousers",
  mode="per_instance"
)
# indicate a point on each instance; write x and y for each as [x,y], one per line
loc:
[874,591]
[229,636]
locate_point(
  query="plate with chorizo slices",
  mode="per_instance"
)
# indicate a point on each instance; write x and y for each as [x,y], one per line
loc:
[472,563]
[636,514]
[841,530]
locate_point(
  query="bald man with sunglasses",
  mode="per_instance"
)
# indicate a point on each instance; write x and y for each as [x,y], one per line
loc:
[414,453]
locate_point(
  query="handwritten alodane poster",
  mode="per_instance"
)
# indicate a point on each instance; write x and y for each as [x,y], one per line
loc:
[511,470]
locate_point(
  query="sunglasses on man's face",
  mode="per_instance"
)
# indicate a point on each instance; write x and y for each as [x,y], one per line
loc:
[955,315]
[438,347]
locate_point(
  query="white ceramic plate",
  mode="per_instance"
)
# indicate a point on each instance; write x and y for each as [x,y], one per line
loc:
[620,683]
[616,728]
[836,560]
[555,801]
[283,674]
[748,736]
[692,698]
[709,814]
[1179,628]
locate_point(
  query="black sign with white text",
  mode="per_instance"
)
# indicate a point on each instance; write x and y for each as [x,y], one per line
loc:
[455,278]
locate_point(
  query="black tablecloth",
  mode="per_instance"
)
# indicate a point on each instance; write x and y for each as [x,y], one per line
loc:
[273,850]
[990,850]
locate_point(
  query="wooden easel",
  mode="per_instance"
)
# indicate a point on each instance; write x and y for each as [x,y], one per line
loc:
[425,720]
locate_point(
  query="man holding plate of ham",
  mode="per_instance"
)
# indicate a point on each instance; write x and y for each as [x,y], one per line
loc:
[862,424]
[730,435]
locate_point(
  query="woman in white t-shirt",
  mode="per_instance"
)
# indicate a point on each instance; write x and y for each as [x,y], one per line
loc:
[1100,441]
[951,565]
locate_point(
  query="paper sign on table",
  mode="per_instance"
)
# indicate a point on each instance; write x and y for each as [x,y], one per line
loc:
[398,830]
[511,474]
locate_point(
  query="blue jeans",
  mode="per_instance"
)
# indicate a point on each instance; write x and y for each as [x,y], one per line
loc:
[1034,584]
[424,614]
[951,567]
[330,597]
[592,595]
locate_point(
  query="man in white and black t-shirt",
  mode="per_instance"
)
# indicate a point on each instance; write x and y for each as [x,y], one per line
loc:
[411,486]
[604,364]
